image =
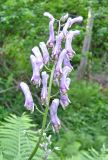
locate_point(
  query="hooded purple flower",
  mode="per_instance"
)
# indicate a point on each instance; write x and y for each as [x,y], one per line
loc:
[39,59]
[67,61]
[66,70]
[53,114]
[69,38]
[45,52]
[70,22]
[64,100]
[50,41]
[44,91]
[36,71]
[57,48]
[29,104]
[64,84]
[58,69]
[55,79]
[64,81]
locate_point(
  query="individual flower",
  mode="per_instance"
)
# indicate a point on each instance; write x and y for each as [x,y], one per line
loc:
[44,91]
[39,59]
[64,100]
[55,79]
[58,68]
[44,52]
[64,84]
[64,81]
[57,49]
[70,22]
[66,70]
[67,25]
[36,71]
[66,62]
[68,46]
[29,104]
[51,39]
[53,114]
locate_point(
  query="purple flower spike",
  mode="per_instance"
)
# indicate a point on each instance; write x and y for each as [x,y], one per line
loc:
[58,69]
[64,100]
[70,22]
[64,84]
[29,104]
[69,38]
[53,115]
[36,71]
[50,41]
[67,62]
[45,52]
[44,92]
[39,59]
[57,48]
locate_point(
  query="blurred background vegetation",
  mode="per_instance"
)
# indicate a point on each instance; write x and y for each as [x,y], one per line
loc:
[85,122]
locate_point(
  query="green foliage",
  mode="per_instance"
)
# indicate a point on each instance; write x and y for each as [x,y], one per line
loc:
[23,26]
[20,22]
[10,100]
[92,154]
[18,136]
[84,122]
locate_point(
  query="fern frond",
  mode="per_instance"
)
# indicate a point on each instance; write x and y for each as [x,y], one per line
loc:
[17,139]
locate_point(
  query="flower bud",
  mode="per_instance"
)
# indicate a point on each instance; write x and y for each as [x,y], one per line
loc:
[64,100]
[39,59]
[44,92]
[58,69]
[64,17]
[53,114]
[50,41]
[44,52]
[36,71]
[29,104]
[70,22]
[69,38]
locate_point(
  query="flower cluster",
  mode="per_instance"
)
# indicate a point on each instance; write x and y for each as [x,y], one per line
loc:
[57,50]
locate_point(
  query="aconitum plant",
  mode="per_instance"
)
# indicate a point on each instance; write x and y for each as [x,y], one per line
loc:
[52,57]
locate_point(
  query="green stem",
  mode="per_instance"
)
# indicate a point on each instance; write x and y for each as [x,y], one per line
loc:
[39,110]
[55,95]
[47,68]
[44,117]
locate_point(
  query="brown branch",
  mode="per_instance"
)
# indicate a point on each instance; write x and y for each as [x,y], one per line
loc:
[86,46]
